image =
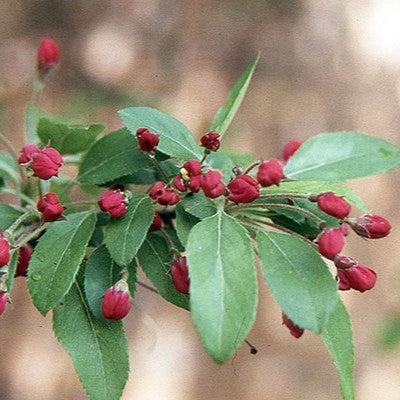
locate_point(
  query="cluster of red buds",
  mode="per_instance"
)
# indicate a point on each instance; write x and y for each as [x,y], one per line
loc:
[113,202]
[44,162]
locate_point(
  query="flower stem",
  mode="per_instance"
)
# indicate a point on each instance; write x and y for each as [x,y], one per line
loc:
[159,167]
[25,239]
[20,195]
[251,166]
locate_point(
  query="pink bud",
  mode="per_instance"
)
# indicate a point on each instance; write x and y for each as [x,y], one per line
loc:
[180,275]
[116,301]
[26,153]
[295,331]
[168,198]
[4,251]
[211,141]
[194,183]
[331,242]
[333,205]
[212,185]
[193,167]
[179,183]
[113,202]
[157,223]
[157,190]
[359,278]
[372,226]
[24,256]
[48,54]
[3,302]
[50,207]
[46,163]
[270,173]
[147,140]
[243,189]
[290,148]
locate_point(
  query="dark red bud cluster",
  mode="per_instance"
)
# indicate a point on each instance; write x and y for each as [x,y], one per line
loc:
[147,141]
[44,163]
[156,224]
[294,330]
[211,141]
[163,194]
[24,257]
[50,207]
[180,275]
[212,185]
[117,301]
[48,54]
[4,250]
[114,203]
[270,173]
[243,189]
[189,177]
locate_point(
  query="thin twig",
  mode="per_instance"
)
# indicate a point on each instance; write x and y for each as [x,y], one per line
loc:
[158,166]
[146,286]
[253,349]
[25,239]
[251,166]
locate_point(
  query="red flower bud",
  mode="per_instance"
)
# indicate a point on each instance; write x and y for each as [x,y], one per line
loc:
[180,275]
[194,183]
[147,140]
[193,167]
[4,251]
[50,207]
[344,262]
[113,202]
[157,190]
[345,229]
[180,184]
[243,189]
[212,184]
[372,226]
[27,152]
[359,278]
[116,301]
[46,163]
[3,302]
[331,242]
[211,141]
[295,331]
[157,223]
[48,54]
[24,256]
[168,198]
[333,205]
[290,148]
[270,173]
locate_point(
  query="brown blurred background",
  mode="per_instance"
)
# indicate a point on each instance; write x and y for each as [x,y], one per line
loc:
[325,66]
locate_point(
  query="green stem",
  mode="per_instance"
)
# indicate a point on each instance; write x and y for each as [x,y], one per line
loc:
[171,244]
[251,166]
[25,239]
[18,222]
[159,167]
[146,286]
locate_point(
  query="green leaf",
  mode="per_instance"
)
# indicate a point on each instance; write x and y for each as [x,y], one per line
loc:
[8,215]
[62,186]
[225,114]
[298,278]
[199,205]
[223,284]
[342,156]
[184,223]
[175,139]
[124,236]
[338,338]
[11,269]
[9,169]
[313,187]
[155,259]
[112,157]
[56,259]
[101,272]
[389,335]
[68,139]
[99,349]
